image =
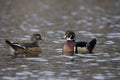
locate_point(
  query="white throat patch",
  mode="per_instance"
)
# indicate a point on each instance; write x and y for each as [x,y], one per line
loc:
[69,39]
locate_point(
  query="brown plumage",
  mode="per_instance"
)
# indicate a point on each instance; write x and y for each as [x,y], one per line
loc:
[27,49]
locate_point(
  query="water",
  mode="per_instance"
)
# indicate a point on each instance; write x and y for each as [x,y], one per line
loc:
[51,18]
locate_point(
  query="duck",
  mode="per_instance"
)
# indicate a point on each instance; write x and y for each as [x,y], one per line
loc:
[71,47]
[27,49]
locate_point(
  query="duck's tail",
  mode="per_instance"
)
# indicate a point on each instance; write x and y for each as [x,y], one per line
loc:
[92,44]
[14,45]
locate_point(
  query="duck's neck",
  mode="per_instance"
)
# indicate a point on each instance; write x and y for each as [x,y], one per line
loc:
[71,40]
[35,43]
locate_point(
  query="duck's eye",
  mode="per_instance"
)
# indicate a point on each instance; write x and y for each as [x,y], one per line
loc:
[37,36]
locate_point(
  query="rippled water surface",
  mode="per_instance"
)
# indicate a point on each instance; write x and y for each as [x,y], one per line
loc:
[89,19]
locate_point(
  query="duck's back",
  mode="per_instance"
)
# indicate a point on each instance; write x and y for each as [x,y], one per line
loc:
[29,45]
[80,44]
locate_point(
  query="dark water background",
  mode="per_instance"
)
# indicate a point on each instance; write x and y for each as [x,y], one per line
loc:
[51,18]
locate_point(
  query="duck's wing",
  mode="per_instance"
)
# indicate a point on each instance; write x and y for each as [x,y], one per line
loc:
[15,46]
[80,44]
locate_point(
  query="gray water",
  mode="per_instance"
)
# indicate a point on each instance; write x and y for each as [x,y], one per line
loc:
[89,19]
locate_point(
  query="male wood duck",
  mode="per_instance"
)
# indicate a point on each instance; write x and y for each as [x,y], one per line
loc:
[27,49]
[71,47]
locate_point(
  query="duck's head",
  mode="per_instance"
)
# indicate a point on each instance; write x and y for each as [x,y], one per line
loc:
[69,35]
[36,38]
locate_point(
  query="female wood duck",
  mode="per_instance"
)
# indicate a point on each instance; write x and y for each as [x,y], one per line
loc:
[27,49]
[71,47]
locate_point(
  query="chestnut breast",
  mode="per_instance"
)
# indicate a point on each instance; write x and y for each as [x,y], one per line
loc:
[68,48]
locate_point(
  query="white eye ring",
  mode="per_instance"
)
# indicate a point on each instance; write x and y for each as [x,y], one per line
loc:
[37,36]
